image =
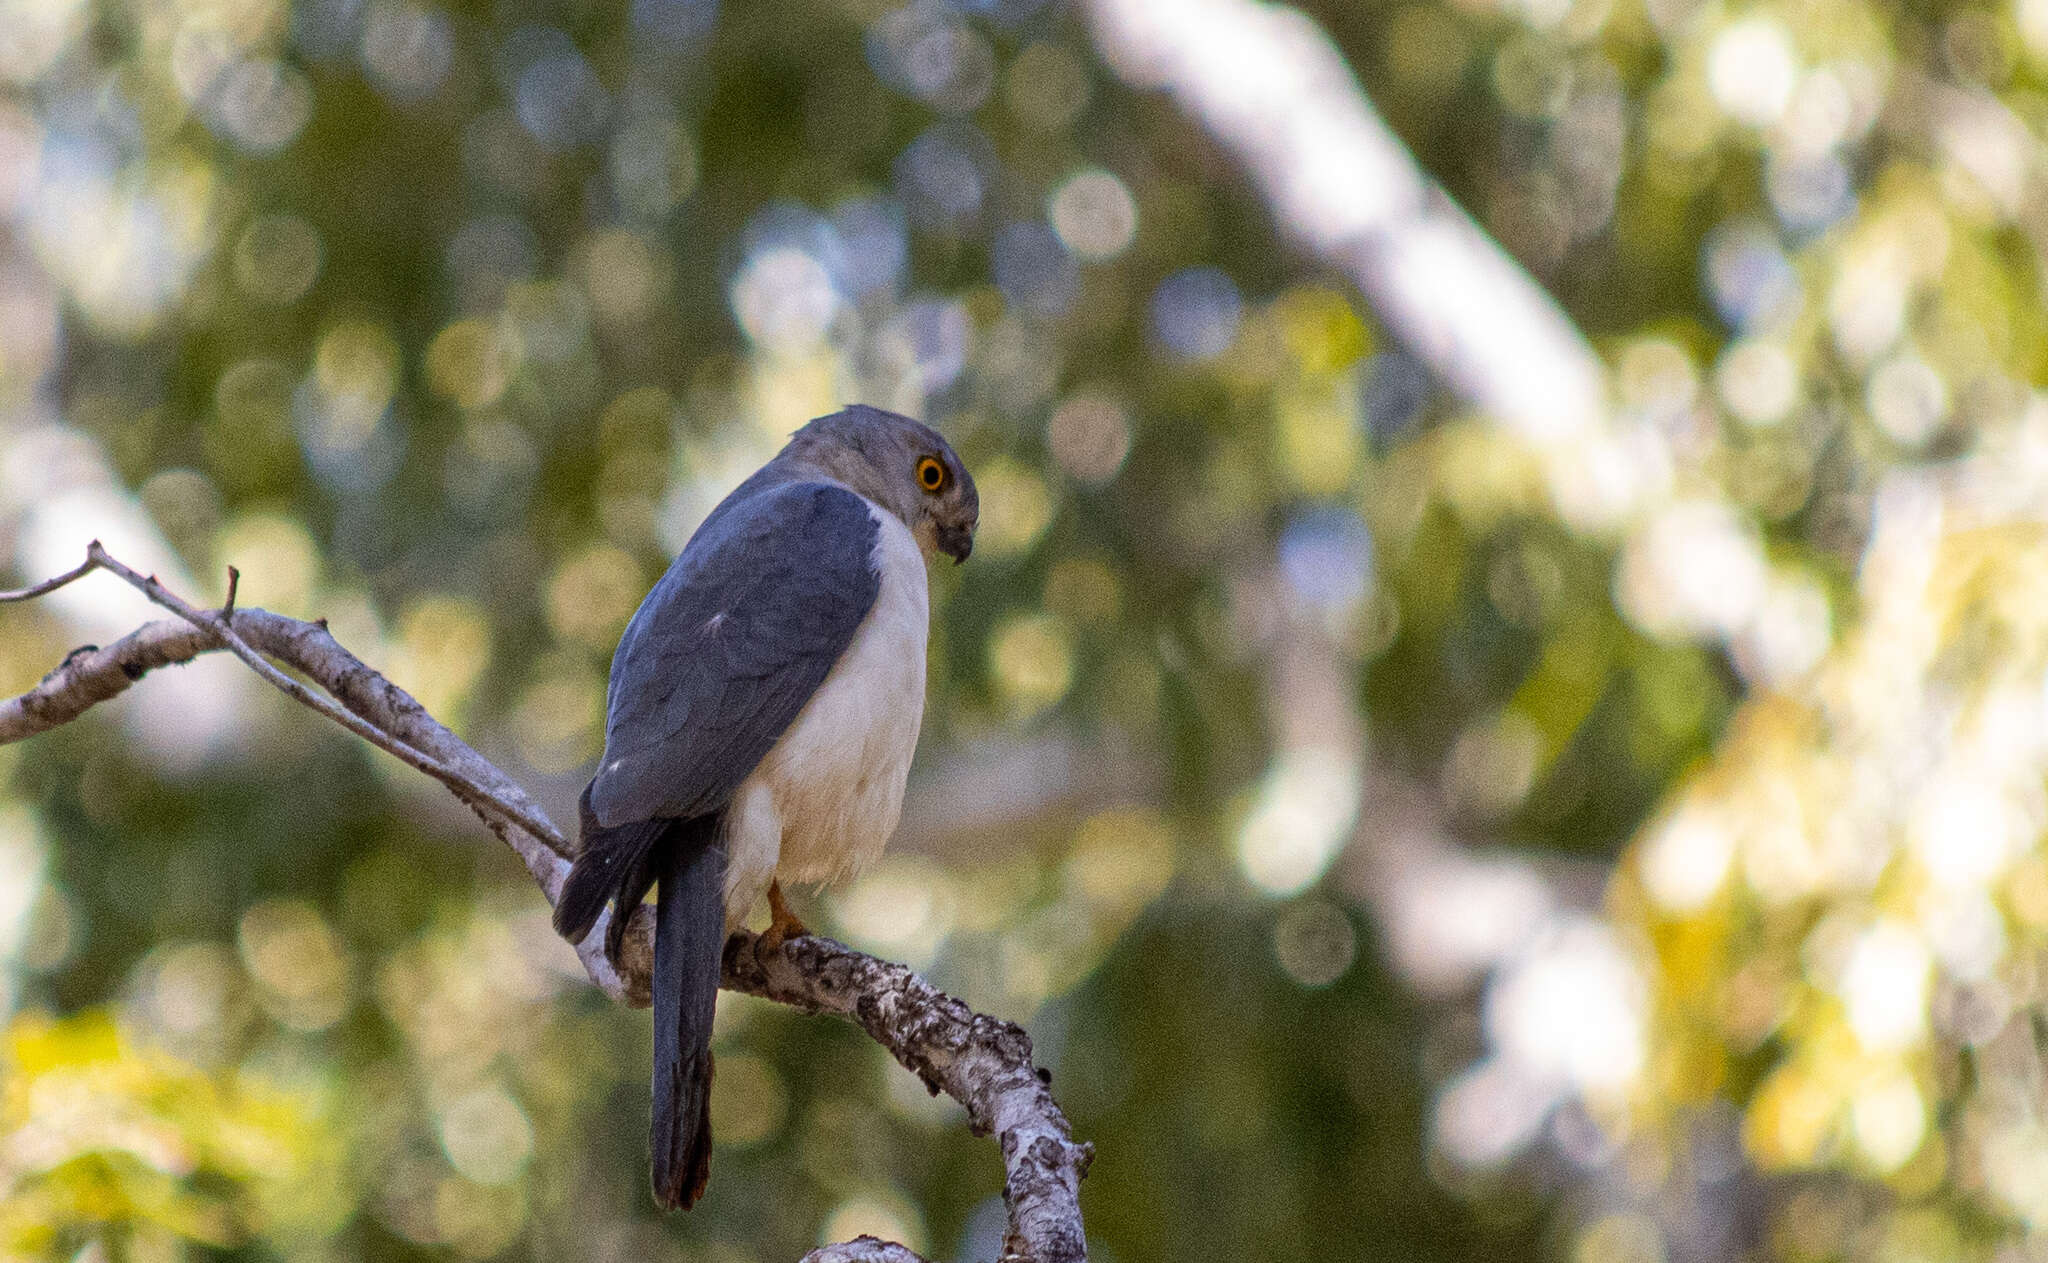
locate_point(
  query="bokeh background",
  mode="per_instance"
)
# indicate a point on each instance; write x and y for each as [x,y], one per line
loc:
[1504,732]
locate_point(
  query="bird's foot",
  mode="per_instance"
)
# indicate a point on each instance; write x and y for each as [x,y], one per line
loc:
[783,924]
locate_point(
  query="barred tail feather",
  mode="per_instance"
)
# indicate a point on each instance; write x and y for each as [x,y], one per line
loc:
[689,940]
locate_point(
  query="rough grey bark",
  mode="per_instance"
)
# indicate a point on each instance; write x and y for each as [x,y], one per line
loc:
[863,1249]
[983,1063]
[979,1061]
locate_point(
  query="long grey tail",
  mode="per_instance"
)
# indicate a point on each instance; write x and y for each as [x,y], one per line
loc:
[689,941]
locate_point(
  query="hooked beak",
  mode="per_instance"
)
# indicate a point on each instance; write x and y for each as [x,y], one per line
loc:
[956,542]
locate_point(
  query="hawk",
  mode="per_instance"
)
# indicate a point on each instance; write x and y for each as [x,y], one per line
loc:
[763,707]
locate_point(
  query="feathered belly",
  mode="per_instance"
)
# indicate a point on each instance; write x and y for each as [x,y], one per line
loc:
[825,800]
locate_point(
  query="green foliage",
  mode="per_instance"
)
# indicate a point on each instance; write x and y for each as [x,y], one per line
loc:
[127,1152]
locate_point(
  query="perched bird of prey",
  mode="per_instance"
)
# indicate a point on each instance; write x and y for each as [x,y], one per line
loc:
[764,704]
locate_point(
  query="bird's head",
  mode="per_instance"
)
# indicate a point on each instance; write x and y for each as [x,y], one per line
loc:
[900,464]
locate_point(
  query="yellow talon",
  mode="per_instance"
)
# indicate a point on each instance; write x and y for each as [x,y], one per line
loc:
[783,924]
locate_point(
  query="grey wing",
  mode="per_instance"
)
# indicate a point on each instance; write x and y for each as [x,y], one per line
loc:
[724,652]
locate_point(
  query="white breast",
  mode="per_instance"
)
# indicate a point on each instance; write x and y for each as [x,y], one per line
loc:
[826,799]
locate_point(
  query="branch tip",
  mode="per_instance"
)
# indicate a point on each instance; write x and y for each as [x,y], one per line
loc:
[79,571]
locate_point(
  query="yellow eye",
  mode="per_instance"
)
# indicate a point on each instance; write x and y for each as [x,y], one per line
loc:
[931,475]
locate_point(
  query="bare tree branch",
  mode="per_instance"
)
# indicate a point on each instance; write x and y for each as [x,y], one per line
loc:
[77,572]
[983,1063]
[221,624]
[90,675]
[1269,84]
[979,1061]
[394,721]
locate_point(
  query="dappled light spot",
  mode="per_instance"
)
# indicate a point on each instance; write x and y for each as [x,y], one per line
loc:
[1326,558]
[1016,507]
[1489,1113]
[486,1136]
[943,178]
[1889,1121]
[1314,942]
[1084,591]
[1046,87]
[277,258]
[469,364]
[929,53]
[1757,381]
[901,910]
[1685,858]
[1752,70]
[1572,1009]
[1492,764]
[355,371]
[38,32]
[1298,818]
[407,49]
[655,163]
[1907,399]
[1694,570]
[1753,284]
[23,857]
[1195,313]
[279,558]
[1121,859]
[185,994]
[561,719]
[1090,436]
[1094,215]
[301,973]
[444,649]
[1034,269]
[1031,658]
[556,93]
[625,275]
[1884,983]
[751,1105]
[263,104]
[785,299]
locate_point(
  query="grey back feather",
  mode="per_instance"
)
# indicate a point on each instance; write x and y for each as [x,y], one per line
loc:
[725,651]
